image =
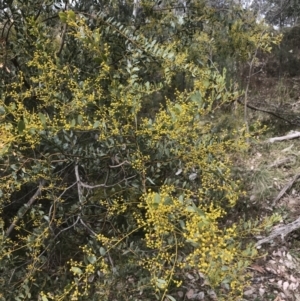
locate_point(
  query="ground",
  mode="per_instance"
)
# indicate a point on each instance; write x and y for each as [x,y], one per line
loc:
[270,167]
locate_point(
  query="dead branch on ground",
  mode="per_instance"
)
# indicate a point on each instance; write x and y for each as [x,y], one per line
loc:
[281,231]
[286,188]
[289,136]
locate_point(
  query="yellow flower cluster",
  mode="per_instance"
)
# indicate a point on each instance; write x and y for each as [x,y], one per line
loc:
[103,239]
[169,219]
[139,162]
[87,250]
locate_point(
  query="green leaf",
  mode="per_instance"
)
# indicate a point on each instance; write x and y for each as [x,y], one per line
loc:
[32,131]
[161,283]
[21,126]
[171,55]
[62,17]
[14,167]
[92,259]
[102,251]
[168,200]
[71,15]
[150,181]
[182,224]
[193,243]
[76,270]
[134,69]
[219,170]
[205,83]
[200,212]
[46,218]
[43,118]
[197,98]
[190,209]
[2,110]
[156,198]
[44,298]
[178,106]
[79,119]
[96,124]
[170,298]
[181,198]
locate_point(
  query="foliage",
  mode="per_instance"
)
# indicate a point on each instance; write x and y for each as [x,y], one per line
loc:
[284,60]
[106,168]
[279,13]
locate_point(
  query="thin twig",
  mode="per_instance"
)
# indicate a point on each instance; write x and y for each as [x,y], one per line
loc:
[86,226]
[53,204]
[104,185]
[82,184]
[114,166]
[65,229]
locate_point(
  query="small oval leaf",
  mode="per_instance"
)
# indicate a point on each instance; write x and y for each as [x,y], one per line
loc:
[76,270]
[21,126]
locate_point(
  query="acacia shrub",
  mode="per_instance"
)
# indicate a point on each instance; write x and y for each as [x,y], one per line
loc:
[119,186]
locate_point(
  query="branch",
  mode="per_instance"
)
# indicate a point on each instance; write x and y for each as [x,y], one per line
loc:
[28,205]
[2,33]
[9,28]
[52,207]
[279,163]
[104,185]
[280,231]
[114,166]
[266,111]
[81,184]
[87,227]
[65,229]
[63,36]
[286,137]
[285,188]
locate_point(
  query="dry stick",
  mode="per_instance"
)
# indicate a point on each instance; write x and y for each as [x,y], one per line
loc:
[281,162]
[28,205]
[266,111]
[292,135]
[280,231]
[285,188]
[82,184]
